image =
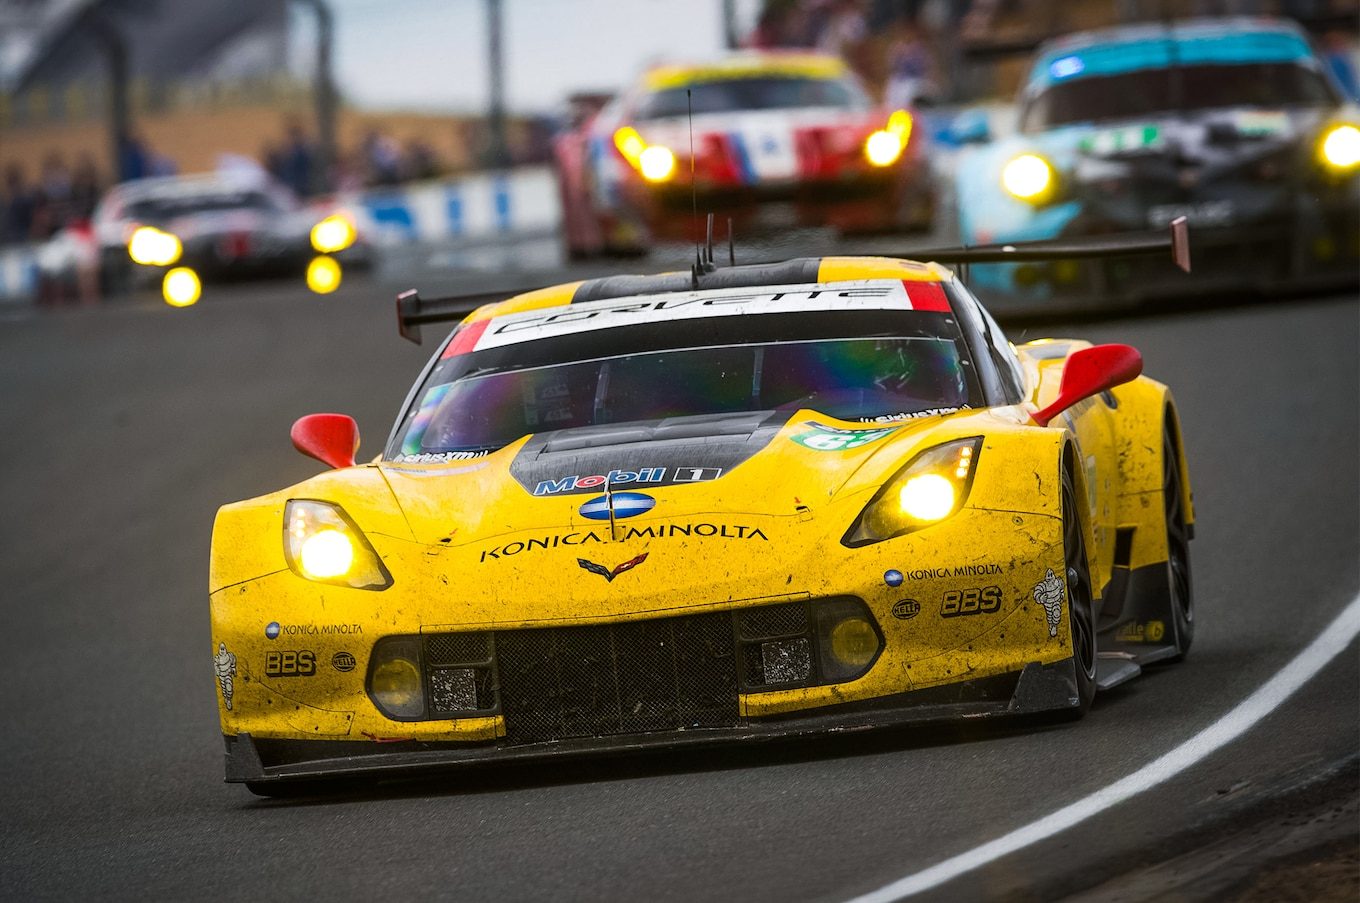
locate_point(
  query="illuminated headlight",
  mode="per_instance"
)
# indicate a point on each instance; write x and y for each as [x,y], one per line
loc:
[1340,147]
[321,543]
[333,234]
[882,148]
[1028,177]
[656,162]
[181,287]
[323,275]
[929,489]
[885,146]
[152,247]
[394,679]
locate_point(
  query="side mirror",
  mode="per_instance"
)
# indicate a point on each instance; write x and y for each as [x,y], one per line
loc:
[1090,371]
[330,438]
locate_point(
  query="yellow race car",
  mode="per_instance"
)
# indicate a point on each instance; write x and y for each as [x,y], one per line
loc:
[733,503]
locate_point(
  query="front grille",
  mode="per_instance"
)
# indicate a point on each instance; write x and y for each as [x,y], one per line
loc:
[459,675]
[457,648]
[772,621]
[665,674]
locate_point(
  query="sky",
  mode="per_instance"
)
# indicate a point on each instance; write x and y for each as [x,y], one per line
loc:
[431,54]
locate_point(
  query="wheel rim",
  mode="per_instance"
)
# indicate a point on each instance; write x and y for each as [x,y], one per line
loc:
[1078,590]
[1177,535]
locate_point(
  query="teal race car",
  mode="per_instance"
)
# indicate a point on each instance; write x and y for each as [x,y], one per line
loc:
[1233,123]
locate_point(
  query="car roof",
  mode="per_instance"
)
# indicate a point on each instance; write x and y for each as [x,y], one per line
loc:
[798,271]
[191,185]
[1128,48]
[745,65]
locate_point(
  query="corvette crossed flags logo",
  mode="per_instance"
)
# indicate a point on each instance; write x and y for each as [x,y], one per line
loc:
[605,572]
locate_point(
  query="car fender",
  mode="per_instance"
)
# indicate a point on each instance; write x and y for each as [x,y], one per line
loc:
[1146,410]
[247,538]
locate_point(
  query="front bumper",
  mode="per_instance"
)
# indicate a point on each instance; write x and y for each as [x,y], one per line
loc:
[952,604]
[1035,689]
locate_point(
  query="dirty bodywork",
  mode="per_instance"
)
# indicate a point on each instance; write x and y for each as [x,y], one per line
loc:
[695,575]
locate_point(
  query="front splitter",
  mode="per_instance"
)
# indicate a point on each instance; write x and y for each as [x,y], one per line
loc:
[1035,689]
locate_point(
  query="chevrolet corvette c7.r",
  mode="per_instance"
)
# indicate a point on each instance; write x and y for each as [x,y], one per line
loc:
[804,497]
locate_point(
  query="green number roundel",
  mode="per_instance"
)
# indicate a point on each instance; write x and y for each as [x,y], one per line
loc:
[830,438]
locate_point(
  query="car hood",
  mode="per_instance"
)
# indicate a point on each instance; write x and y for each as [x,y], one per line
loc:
[697,469]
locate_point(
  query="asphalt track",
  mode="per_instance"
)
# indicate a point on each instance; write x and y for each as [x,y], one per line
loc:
[123,428]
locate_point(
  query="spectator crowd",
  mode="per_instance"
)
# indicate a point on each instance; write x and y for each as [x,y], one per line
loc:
[378,160]
[61,195]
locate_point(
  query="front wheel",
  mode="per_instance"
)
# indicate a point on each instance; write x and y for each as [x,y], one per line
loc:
[1081,621]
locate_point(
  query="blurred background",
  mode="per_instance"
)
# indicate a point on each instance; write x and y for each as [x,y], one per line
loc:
[208,206]
[396,113]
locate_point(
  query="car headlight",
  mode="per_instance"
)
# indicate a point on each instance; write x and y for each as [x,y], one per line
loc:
[1340,147]
[656,162]
[181,287]
[323,275]
[1028,177]
[333,234]
[153,247]
[932,486]
[321,543]
[885,146]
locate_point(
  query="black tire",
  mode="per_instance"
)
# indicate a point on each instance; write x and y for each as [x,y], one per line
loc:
[1179,584]
[1080,615]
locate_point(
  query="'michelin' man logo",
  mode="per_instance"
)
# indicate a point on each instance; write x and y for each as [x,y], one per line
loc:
[1049,593]
[224,663]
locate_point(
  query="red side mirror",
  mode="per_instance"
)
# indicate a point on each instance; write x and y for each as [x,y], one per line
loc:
[1089,371]
[330,438]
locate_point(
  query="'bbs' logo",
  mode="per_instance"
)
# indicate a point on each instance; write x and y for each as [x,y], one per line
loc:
[960,602]
[287,663]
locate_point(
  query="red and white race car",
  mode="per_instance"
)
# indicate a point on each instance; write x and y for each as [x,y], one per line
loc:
[778,139]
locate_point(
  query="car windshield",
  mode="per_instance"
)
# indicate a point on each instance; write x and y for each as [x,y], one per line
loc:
[781,92]
[170,207]
[1152,91]
[487,399]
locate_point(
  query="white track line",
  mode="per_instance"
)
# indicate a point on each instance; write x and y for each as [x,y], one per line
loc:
[1268,697]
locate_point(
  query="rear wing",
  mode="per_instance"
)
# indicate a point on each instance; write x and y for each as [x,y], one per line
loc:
[413,311]
[1175,239]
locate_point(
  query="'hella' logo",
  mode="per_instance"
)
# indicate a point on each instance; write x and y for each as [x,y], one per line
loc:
[626,504]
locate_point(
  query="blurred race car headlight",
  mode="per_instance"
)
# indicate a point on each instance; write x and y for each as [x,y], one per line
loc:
[321,543]
[181,287]
[1340,147]
[885,146]
[1028,177]
[333,234]
[655,161]
[394,678]
[153,247]
[882,148]
[323,275]
[929,489]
